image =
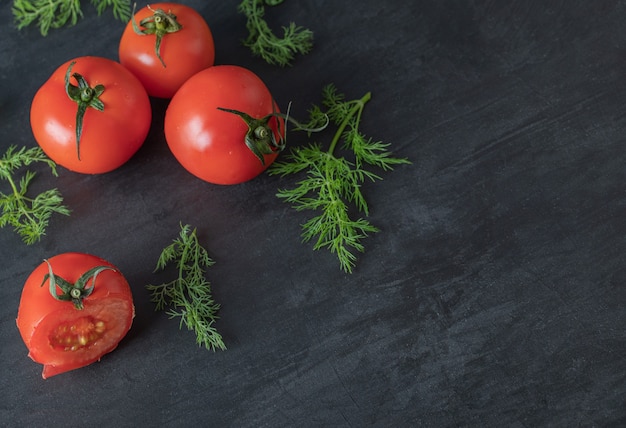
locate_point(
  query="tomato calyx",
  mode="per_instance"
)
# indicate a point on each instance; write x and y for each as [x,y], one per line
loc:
[73,292]
[159,24]
[259,138]
[85,96]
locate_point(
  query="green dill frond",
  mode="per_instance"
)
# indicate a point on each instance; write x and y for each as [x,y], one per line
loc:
[121,8]
[375,153]
[189,296]
[332,184]
[264,43]
[52,14]
[29,216]
[159,293]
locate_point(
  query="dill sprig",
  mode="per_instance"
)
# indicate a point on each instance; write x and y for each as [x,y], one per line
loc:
[189,296]
[28,216]
[332,184]
[264,43]
[49,14]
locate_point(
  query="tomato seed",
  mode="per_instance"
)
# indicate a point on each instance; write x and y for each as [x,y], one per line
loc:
[100,326]
[81,333]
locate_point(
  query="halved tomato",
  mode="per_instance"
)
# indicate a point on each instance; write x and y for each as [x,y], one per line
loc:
[74,308]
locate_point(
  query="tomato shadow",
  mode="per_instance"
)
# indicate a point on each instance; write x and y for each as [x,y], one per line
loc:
[146,317]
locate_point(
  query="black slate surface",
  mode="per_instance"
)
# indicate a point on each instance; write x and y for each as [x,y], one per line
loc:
[493,295]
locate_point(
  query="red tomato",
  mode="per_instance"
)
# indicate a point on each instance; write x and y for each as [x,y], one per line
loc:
[211,143]
[56,333]
[186,47]
[109,137]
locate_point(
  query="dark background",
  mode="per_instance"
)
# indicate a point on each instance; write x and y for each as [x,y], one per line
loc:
[493,295]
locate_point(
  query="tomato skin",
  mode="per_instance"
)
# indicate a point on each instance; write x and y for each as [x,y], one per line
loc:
[184,52]
[109,138]
[210,143]
[40,314]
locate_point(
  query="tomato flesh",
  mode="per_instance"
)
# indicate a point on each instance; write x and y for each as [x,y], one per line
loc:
[79,338]
[64,338]
[77,334]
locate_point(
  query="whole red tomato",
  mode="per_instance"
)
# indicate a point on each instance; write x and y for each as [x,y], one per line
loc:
[116,115]
[75,320]
[164,45]
[218,146]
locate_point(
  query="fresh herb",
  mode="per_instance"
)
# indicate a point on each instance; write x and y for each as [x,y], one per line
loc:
[28,216]
[189,296]
[332,183]
[264,43]
[49,14]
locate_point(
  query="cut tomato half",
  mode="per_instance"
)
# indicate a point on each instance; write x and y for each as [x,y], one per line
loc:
[65,331]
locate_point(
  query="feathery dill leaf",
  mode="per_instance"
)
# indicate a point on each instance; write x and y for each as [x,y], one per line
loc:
[47,14]
[332,183]
[121,8]
[263,42]
[189,296]
[28,216]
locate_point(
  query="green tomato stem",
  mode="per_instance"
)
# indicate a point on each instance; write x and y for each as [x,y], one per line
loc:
[259,138]
[73,292]
[159,23]
[83,95]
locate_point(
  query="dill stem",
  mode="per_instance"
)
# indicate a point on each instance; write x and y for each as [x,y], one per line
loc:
[255,18]
[181,266]
[357,109]
[12,183]
[20,199]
